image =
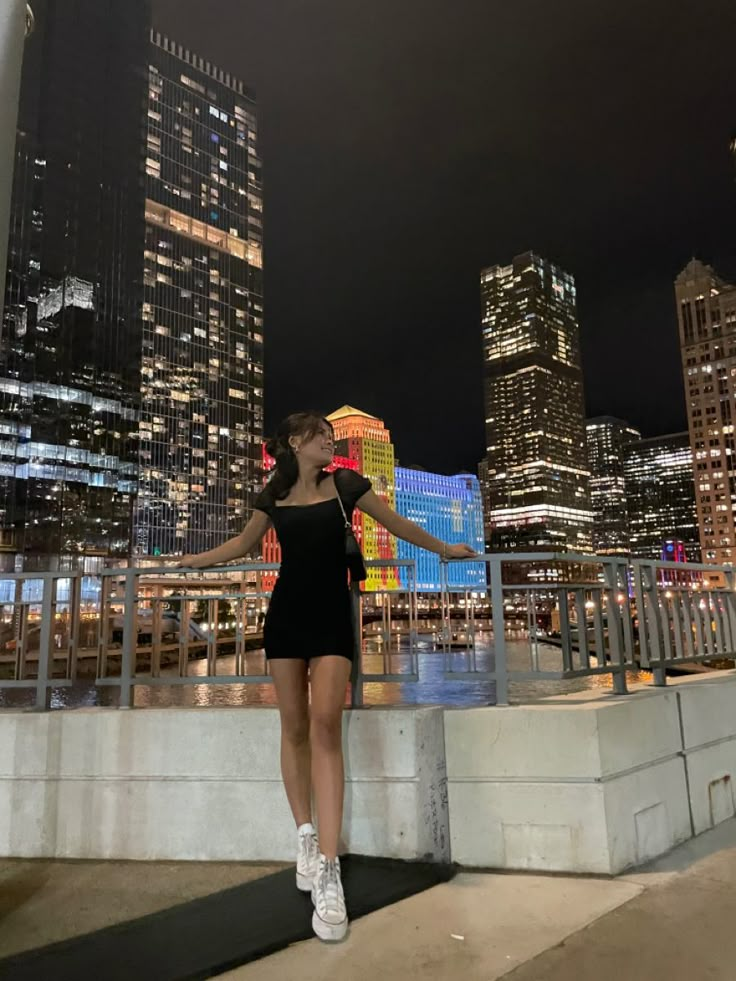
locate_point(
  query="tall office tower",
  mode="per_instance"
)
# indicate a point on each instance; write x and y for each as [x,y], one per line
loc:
[71,331]
[660,497]
[365,439]
[706,309]
[607,439]
[202,361]
[451,509]
[538,477]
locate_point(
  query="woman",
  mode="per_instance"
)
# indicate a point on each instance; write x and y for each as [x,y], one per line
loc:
[308,635]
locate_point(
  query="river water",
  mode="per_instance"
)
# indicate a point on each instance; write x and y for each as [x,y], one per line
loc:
[432,688]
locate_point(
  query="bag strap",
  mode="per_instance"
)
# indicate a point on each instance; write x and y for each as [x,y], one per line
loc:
[342,507]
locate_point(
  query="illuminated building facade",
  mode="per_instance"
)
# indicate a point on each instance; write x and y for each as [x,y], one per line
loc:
[364,439]
[201,424]
[706,309]
[607,439]
[660,496]
[451,509]
[538,480]
[71,332]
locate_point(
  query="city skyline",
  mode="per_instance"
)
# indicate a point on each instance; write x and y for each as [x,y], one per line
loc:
[409,146]
[195,453]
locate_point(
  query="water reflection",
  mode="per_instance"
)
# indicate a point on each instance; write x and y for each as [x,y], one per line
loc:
[431,689]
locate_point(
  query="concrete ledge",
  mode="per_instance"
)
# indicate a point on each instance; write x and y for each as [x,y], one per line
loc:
[708,712]
[585,783]
[580,783]
[205,784]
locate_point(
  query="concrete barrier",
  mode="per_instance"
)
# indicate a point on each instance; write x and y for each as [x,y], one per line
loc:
[575,784]
[708,713]
[589,783]
[205,784]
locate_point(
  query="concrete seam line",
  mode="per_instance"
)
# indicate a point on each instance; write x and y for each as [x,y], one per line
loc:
[606,778]
[683,753]
[714,742]
[169,778]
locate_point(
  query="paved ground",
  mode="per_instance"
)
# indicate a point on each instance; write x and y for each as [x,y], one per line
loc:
[42,902]
[674,920]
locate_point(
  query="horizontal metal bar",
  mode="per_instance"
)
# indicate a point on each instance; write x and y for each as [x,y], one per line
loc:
[469,675]
[389,677]
[696,659]
[144,681]
[33,683]
[682,566]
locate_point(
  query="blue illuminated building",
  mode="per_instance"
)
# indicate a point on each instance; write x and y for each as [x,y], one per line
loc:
[450,508]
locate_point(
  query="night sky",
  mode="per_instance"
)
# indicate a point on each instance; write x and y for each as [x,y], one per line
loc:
[409,143]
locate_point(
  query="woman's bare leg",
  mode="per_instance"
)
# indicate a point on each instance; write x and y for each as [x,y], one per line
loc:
[329,678]
[290,677]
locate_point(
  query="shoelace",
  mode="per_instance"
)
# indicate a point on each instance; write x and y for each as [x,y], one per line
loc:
[330,885]
[311,845]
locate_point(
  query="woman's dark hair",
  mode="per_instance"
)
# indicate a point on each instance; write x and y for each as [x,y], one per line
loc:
[286,471]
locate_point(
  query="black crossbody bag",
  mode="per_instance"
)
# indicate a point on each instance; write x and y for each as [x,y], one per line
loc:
[353,555]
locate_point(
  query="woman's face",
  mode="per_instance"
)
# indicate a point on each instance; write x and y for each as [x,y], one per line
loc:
[318,450]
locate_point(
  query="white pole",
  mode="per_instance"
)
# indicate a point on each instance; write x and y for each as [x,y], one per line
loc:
[12,29]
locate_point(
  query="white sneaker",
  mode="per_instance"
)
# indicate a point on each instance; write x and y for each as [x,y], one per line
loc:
[330,918]
[307,858]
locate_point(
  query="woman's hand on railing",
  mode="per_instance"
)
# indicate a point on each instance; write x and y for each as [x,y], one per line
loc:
[190,562]
[460,551]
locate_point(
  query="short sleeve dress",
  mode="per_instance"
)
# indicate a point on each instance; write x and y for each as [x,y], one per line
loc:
[310,612]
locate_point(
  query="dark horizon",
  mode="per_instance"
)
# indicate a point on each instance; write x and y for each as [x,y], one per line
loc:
[406,148]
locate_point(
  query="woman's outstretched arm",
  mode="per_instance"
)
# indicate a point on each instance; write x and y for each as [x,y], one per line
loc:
[234,548]
[370,503]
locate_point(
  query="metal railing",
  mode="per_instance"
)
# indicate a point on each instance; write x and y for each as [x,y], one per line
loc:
[549,617]
[613,616]
[146,626]
[683,618]
[587,596]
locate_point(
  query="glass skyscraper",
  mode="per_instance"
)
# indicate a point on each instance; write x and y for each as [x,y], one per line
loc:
[201,423]
[71,331]
[131,364]
[660,496]
[607,439]
[538,480]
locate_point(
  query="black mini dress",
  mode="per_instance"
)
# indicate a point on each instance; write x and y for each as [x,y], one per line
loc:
[310,612]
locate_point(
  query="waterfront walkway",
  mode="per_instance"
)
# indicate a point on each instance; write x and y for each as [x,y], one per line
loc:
[673,919]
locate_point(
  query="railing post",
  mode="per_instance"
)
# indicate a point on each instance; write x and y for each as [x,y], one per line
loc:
[499,638]
[75,618]
[730,603]
[615,624]
[130,640]
[445,614]
[650,622]
[356,670]
[45,658]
